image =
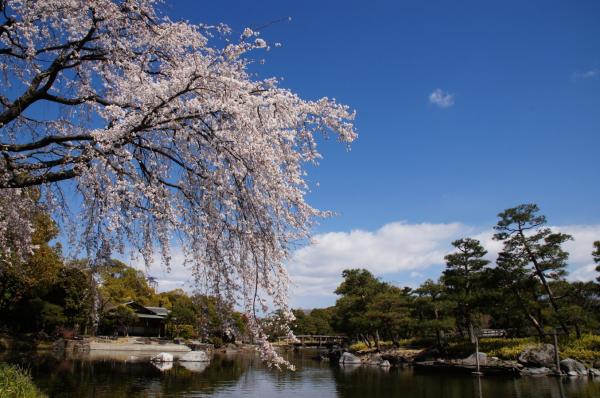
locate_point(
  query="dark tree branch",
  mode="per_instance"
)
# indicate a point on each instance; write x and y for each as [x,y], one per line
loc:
[51,139]
[25,181]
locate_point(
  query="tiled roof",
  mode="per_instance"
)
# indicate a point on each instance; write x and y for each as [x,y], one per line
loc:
[159,310]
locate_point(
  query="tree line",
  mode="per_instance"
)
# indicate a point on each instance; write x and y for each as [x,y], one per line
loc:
[48,296]
[523,293]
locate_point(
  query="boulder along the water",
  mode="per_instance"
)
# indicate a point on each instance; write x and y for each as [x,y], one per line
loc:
[349,359]
[573,367]
[539,356]
[162,357]
[195,356]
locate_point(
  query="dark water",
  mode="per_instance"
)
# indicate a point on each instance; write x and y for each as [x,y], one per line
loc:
[235,375]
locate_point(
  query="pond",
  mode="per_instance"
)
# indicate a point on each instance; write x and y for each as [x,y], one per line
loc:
[243,374]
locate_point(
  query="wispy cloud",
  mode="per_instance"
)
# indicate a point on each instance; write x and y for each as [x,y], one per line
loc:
[586,75]
[441,98]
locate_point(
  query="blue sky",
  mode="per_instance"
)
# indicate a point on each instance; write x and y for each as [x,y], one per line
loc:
[522,122]
[524,125]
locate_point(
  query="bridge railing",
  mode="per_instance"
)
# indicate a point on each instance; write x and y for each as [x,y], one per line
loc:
[313,339]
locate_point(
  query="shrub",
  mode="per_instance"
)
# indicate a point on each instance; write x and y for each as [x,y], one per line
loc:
[16,383]
[502,348]
[358,346]
[586,348]
[187,332]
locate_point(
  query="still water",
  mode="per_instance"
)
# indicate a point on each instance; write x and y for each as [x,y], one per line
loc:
[242,374]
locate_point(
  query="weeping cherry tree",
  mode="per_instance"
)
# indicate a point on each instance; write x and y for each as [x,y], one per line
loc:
[166,139]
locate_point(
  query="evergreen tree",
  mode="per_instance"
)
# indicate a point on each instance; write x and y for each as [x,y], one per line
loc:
[533,249]
[389,313]
[433,311]
[596,256]
[357,291]
[463,281]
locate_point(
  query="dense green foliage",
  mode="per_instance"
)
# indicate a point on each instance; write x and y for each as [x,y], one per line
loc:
[49,296]
[463,282]
[190,316]
[315,322]
[16,383]
[43,294]
[524,293]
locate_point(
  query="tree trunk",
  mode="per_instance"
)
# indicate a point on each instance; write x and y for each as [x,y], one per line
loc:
[542,277]
[531,318]
[377,343]
[438,332]
[471,332]
[365,340]
[438,335]
[93,319]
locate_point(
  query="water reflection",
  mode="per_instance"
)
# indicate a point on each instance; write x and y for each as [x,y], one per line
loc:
[197,367]
[163,366]
[479,393]
[232,375]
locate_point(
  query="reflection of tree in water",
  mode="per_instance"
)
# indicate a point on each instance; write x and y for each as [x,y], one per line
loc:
[372,382]
[220,373]
[120,379]
[309,374]
[245,374]
[551,387]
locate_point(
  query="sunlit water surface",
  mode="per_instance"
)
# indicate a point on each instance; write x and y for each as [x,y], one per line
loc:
[242,374]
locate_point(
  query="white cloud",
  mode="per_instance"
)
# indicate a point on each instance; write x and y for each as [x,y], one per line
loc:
[179,277]
[580,250]
[410,252]
[440,98]
[395,247]
[588,74]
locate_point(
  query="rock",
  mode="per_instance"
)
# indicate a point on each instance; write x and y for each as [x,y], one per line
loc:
[59,346]
[573,367]
[538,356]
[373,360]
[594,372]
[349,359]
[163,366]
[335,355]
[195,356]
[535,371]
[197,367]
[162,357]
[376,360]
[471,360]
[429,354]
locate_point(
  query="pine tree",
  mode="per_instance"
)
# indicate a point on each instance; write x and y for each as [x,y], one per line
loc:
[463,280]
[596,255]
[533,249]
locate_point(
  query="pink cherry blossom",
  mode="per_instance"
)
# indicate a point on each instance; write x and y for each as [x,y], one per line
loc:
[165,138]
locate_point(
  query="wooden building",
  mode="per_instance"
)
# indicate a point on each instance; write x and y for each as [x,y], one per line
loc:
[151,321]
